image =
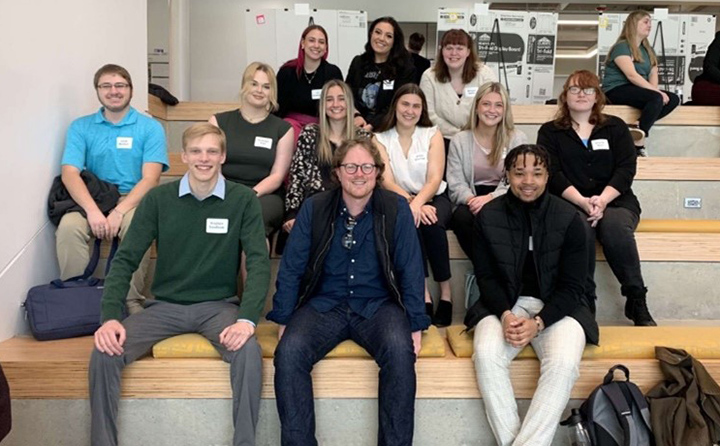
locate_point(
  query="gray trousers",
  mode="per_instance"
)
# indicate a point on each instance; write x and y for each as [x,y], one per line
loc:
[159,321]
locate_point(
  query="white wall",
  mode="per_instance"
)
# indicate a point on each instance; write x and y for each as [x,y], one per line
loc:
[217,36]
[49,53]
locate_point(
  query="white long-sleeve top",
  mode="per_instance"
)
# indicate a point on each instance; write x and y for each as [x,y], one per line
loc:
[448,111]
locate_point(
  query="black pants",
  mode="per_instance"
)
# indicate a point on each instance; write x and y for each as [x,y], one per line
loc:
[648,101]
[616,233]
[433,239]
[5,413]
[463,221]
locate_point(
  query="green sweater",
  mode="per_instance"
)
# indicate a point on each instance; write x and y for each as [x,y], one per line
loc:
[194,265]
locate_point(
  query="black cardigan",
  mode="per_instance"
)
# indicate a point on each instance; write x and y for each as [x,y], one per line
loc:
[573,164]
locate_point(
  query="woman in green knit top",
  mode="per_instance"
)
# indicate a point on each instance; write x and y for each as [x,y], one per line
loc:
[259,144]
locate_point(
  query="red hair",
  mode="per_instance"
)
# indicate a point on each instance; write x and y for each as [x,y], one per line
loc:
[582,79]
[299,62]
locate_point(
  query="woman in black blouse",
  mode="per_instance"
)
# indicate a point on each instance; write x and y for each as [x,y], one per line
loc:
[301,80]
[379,72]
[592,165]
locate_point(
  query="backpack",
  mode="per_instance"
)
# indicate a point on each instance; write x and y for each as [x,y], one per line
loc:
[617,414]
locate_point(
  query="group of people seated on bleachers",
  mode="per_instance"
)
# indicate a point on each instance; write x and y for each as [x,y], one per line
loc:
[367,204]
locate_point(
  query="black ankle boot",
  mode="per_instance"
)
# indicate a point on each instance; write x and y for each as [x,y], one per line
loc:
[636,308]
[443,315]
[429,309]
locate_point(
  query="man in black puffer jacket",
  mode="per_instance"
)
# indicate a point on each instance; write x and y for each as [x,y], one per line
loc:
[530,251]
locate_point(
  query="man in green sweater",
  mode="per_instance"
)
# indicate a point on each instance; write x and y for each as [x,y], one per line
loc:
[201,224]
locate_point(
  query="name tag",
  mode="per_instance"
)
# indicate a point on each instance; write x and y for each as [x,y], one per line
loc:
[530,244]
[315,94]
[216,225]
[388,85]
[600,144]
[123,142]
[471,91]
[265,143]
[420,157]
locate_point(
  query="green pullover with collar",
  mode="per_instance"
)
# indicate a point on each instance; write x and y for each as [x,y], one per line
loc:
[198,250]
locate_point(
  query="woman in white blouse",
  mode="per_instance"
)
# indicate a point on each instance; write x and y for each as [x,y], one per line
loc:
[475,161]
[451,85]
[413,148]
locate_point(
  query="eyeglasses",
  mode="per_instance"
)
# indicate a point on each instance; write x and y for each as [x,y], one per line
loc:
[351,168]
[118,86]
[576,90]
[347,240]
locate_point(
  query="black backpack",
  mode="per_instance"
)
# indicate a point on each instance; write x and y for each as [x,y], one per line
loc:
[617,414]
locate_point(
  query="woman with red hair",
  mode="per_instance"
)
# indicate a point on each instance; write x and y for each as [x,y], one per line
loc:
[592,165]
[300,80]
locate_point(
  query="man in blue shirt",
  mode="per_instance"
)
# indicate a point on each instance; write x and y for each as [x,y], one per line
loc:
[352,269]
[122,147]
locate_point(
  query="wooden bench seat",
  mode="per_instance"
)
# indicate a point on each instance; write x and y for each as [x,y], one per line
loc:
[655,169]
[58,370]
[522,114]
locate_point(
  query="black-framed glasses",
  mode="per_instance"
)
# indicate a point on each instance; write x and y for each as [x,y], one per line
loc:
[117,85]
[576,90]
[351,168]
[347,240]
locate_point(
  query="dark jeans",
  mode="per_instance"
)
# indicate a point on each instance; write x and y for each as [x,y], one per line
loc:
[310,335]
[616,233]
[463,222]
[705,92]
[648,101]
[433,239]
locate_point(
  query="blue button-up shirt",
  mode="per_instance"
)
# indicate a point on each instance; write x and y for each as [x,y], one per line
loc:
[352,274]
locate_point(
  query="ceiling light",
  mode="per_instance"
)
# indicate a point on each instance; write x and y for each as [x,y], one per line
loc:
[587,55]
[578,22]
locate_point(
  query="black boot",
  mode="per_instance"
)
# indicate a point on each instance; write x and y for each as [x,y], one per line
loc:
[443,315]
[429,309]
[636,308]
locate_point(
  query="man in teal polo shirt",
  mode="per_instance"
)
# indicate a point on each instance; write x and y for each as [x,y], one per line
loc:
[120,146]
[201,224]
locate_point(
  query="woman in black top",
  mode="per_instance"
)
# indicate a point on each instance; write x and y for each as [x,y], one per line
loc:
[706,87]
[301,80]
[379,72]
[592,165]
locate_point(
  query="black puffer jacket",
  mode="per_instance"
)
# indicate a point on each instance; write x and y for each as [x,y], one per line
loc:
[502,231]
[60,202]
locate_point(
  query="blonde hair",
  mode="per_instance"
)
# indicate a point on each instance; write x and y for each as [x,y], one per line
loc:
[201,129]
[505,128]
[248,77]
[629,35]
[324,146]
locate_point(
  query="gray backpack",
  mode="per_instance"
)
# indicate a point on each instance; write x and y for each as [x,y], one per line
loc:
[617,414]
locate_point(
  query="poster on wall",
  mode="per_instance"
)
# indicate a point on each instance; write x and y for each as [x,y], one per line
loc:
[517,46]
[680,43]
[272,35]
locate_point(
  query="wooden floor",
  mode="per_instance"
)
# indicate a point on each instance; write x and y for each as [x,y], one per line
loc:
[58,370]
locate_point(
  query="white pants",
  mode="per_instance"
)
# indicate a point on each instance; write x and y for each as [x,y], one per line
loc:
[559,348]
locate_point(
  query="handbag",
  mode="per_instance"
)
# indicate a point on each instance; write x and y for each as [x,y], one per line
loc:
[68,308]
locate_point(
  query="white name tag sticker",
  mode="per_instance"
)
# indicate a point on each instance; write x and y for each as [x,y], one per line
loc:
[123,142]
[530,244]
[471,91]
[265,143]
[216,225]
[600,144]
[388,85]
[419,157]
[315,94]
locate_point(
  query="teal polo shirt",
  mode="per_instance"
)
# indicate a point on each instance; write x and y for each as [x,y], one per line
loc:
[115,152]
[614,77]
